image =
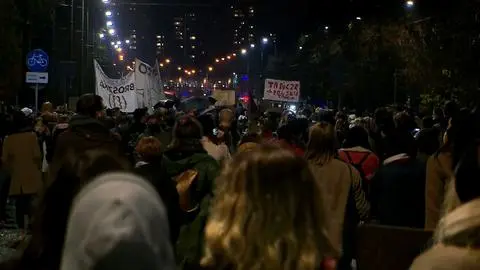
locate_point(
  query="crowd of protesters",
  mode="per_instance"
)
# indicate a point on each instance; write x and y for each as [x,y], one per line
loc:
[101,189]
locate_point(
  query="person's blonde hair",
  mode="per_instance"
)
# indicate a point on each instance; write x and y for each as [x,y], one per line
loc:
[321,143]
[267,214]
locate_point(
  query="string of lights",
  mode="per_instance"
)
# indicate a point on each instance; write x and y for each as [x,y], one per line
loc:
[110,33]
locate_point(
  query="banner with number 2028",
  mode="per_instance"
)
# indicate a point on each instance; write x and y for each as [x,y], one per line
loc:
[278,90]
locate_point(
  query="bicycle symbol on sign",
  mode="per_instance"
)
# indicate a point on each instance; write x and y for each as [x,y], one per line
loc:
[37,59]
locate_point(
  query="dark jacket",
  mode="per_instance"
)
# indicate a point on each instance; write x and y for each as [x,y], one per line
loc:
[156,173]
[398,193]
[84,133]
[189,247]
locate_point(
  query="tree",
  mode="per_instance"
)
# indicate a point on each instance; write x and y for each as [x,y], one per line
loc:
[20,21]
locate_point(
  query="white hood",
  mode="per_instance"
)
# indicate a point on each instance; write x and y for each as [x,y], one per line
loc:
[118,222]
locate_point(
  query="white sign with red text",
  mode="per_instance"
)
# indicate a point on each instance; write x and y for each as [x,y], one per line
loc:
[278,90]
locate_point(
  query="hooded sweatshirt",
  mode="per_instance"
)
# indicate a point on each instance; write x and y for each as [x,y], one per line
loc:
[117,222]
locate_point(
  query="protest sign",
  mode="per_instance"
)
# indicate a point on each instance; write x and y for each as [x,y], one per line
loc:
[116,93]
[278,90]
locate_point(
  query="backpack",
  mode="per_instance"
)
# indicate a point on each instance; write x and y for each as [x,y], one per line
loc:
[185,184]
[359,167]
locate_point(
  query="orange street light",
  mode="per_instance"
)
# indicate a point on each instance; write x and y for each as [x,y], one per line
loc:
[234,55]
[223,58]
[217,60]
[193,71]
[228,57]
[210,69]
[167,61]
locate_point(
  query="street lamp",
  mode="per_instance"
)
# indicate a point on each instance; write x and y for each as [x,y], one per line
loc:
[109,23]
[229,57]
[265,40]
[179,68]
[359,18]
[101,35]
[234,55]
[252,45]
[210,69]
[127,41]
[162,65]
[244,51]
[410,3]
[111,31]
[167,61]
[193,71]
[217,60]
[223,58]
[108,13]
[119,42]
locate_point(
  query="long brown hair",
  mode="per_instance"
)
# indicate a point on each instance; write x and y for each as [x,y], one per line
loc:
[267,214]
[321,143]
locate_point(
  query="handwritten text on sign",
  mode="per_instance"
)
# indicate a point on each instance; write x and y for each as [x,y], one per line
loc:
[278,90]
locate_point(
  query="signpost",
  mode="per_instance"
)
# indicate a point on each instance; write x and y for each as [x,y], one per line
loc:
[37,63]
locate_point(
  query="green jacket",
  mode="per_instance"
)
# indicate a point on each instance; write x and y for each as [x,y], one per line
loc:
[189,247]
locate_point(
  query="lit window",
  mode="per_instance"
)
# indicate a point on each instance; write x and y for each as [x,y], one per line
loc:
[158,37]
[181,46]
[159,44]
[251,27]
[193,37]
[193,46]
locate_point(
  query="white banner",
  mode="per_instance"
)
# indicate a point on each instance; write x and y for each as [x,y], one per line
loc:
[148,84]
[278,90]
[116,93]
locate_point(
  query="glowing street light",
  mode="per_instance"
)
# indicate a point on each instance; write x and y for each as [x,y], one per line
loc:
[326,27]
[101,35]
[229,57]
[112,43]
[119,42]
[193,71]
[116,46]
[162,65]
[210,69]
[223,58]
[234,55]
[108,13]
[127,41]
[111,31]
[167,61]
[300,48]
[179,68]
[252,45]
[410,3]
[359,18]
[217,60]
[119,49]
[109,23]
[244,51]
[264,40]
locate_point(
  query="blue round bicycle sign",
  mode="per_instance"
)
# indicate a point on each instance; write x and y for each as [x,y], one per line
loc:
[37,61]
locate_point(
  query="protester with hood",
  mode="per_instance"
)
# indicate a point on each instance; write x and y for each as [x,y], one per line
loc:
[85,131]
[43,249]
[187,157]
[118,222]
